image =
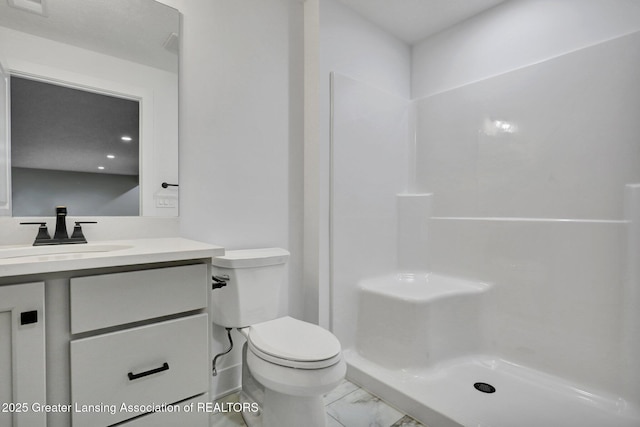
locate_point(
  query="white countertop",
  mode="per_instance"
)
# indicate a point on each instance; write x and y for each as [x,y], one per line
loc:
[28,260]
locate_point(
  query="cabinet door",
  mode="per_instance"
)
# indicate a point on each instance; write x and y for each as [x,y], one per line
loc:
[22,354]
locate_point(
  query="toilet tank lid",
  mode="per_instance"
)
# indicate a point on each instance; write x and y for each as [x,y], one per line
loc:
[246,258]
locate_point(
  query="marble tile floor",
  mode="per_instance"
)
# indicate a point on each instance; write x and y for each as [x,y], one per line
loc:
[347,406]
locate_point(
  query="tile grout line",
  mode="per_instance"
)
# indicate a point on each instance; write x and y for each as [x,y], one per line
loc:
[341,397]
[344,395]
[334,419]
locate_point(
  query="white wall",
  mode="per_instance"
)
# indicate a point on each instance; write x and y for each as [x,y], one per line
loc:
[355,47]
[241,134]
[358,50]
[515,34]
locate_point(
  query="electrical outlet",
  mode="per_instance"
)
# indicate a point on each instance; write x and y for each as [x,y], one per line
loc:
[166,202]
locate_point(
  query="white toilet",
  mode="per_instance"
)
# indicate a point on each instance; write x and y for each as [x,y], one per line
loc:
[294,362]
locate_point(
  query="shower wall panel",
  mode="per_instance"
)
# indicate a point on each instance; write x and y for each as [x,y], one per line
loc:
[369,166]
[558,139]
[528,171]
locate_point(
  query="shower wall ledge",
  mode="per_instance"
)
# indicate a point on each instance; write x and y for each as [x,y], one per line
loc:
[420,287]
[518,219]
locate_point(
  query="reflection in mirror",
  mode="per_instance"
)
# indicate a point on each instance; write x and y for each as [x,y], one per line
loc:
[126,49]
[66,143]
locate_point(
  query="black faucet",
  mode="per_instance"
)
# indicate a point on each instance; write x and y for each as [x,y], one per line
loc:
[61,224]
[60,236]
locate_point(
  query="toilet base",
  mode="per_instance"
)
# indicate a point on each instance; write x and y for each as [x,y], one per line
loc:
[281,410]
[286,409]
[251,419]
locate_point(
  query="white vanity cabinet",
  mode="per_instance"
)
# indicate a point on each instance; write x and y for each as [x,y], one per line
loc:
[114,333]
[22,354]
[143,345]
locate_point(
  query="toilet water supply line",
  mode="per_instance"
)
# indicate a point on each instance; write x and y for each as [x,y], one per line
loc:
[221,282]
[223,353]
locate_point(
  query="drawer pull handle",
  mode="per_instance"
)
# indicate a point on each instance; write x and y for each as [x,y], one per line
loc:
[132,376]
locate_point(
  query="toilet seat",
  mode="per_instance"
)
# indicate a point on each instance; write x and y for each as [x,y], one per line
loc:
[293,343]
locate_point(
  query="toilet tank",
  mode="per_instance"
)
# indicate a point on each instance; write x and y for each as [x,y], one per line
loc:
[252,293]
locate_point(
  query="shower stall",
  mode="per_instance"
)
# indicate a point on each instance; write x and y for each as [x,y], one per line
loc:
[485,243]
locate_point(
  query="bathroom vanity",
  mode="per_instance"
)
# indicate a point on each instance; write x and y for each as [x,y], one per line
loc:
[105,333]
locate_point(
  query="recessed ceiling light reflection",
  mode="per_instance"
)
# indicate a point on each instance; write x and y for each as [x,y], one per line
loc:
[505,127]
[126,138]
[101,167]
[110,156]
[497,127]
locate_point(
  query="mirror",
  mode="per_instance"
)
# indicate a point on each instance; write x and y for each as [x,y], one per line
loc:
[122,52]
[66,143]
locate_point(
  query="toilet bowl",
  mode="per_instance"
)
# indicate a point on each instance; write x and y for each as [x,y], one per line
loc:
[294,362]
[297,363]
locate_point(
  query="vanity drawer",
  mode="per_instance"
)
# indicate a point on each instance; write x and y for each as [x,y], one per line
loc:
[179,417]
[160,363]
[115,299]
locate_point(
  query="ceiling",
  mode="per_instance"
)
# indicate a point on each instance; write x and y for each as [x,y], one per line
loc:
[415,20]
[135,30]
[59,128]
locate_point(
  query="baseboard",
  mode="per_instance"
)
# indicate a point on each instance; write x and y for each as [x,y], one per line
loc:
[228,380]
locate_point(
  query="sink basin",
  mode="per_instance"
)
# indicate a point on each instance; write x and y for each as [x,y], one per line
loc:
[59,251]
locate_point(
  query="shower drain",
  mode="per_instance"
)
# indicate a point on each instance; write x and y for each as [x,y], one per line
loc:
[484,387]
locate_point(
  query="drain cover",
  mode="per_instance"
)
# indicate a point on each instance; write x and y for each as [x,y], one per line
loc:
[484,387]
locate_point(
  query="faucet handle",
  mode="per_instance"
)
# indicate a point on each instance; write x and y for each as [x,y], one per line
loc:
[43,232]
[77,234]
